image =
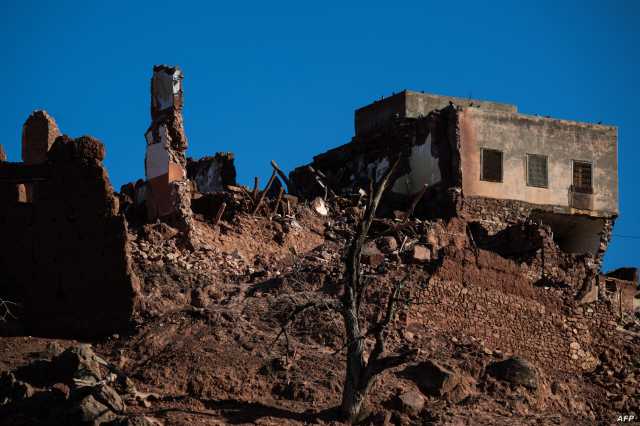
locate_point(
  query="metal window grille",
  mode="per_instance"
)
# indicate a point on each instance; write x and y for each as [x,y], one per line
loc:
[537,171]
[582,177]
[491,165]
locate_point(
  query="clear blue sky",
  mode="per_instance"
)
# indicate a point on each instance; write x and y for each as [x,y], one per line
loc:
[276,80]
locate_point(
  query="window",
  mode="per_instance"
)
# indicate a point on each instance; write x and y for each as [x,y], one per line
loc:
[537,171]
[491,165]
[582,176]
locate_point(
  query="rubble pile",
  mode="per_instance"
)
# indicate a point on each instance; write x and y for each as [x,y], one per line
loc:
[71,386]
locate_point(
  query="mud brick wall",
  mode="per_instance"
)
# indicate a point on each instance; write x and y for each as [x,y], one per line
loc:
[65,256]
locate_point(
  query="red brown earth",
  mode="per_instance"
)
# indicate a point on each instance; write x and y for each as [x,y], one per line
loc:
[204,338]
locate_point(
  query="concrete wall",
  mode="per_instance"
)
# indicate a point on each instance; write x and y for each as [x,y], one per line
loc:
[409,104]
[562,141]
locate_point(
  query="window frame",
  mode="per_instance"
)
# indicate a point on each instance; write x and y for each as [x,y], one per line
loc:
[591,167]
[482,161]
[546,160]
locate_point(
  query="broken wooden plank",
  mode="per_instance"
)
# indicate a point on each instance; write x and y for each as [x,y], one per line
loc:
[282,175]
[221,209]
[264,193]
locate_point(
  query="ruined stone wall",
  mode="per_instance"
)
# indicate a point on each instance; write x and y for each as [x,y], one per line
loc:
[506,305]
[65,256]
[574,233]
[517,135]
[514,324]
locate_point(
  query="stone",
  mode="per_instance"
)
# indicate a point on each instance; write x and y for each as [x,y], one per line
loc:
[516,371]
[420,254]
[78,363]
[14,389]
[134,421]
[371,255]
[61,389]
[388,244]
[411,402]
[109,397]
[318,205]
[90,411]
[588,295]
[434,379]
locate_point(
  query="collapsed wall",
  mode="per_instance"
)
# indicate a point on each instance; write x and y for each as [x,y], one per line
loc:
[428,165]
[66,260]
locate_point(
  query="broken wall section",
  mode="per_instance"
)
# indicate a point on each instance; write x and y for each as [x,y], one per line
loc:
[68,262]
[212,174]
[165,160]
[429,165]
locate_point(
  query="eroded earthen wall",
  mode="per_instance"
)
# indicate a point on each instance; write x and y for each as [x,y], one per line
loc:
[65,256]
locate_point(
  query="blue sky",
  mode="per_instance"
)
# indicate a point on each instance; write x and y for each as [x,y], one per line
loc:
[280,80]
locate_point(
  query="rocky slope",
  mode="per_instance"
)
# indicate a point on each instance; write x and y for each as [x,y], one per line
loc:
[495,343]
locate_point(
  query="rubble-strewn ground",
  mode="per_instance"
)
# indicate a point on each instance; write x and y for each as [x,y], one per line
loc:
[203,350]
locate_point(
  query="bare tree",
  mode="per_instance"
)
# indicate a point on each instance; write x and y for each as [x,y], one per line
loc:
[361,371]
[5,310]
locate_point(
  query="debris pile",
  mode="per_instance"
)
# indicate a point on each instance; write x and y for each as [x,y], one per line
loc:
[71,386]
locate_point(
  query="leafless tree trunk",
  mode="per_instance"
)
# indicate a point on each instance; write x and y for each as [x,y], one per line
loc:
[361,373]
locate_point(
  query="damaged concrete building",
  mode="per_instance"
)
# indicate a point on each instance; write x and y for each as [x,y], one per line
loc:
[483,161]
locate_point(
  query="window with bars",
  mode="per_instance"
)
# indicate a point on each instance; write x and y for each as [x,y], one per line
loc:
[582,176]
[537,171]
[490,165]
